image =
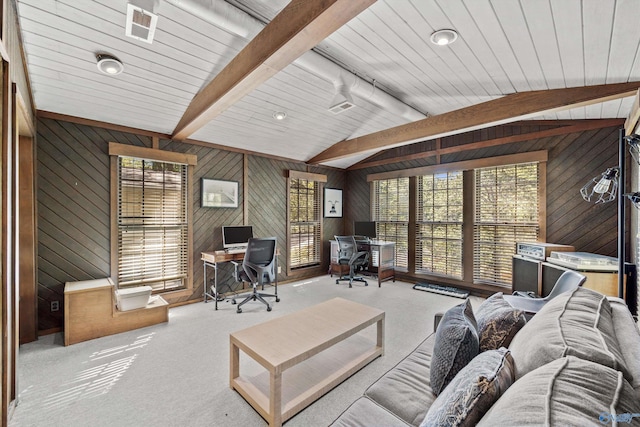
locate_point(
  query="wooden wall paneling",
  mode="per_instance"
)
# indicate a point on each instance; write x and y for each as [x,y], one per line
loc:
[268,201]
[207,222]
[74,209]
[28,311]
[334,226]
[357,201]
[570,174]
[569,168]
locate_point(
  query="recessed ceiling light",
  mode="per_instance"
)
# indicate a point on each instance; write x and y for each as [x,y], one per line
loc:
[279,115]
[444,37]
[109,64]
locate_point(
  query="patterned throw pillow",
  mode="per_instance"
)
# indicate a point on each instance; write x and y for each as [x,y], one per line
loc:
[473,391]
[455,345]
[498,322]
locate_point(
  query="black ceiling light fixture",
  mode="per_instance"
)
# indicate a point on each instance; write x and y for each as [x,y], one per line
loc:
[109,64]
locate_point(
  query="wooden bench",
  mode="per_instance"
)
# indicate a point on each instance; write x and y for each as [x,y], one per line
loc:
[90,311]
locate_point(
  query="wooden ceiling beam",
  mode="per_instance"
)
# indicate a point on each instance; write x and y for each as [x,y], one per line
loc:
[578,126]
[509,108]
[300,26]
[632,120]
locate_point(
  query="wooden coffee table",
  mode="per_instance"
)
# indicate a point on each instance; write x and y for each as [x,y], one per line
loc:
[304,338]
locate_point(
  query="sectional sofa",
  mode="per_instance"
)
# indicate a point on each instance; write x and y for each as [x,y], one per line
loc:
[576,362]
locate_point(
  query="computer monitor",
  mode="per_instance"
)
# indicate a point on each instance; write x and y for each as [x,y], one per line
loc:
[365,228]
[236,236]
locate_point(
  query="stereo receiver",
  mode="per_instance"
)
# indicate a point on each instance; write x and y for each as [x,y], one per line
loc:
[539,250]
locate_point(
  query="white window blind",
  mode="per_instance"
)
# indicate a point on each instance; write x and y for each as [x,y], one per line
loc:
[304,222]
[152,224]
[391,214]
[439,224]
[506,212]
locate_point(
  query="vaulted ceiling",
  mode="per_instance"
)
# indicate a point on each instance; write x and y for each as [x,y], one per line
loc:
[382,57]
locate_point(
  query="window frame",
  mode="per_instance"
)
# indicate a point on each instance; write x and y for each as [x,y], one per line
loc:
[319,180]
[399,224]
[440,220]
[467,168]
[500,222]
[122,150]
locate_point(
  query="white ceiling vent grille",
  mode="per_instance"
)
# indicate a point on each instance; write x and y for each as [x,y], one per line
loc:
[342,101]
[341,107]
[141,23]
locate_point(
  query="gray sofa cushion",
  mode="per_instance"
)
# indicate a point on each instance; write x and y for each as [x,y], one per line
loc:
[566,392]
[366,413]
[577,323]
[456,344]
[498,322]
[405,390]
[473,391]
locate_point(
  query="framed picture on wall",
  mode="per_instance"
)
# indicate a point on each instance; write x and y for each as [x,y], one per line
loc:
[216,193]
[332,203]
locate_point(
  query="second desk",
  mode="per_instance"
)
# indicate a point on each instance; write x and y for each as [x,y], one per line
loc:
[382,259]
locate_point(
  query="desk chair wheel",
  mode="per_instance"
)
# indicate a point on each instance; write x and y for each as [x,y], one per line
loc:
[239,310]
[268,308]
[277,299]
[337,282]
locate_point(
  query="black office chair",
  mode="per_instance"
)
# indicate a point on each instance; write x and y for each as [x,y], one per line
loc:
[568,281]
[259,268]
[348,255]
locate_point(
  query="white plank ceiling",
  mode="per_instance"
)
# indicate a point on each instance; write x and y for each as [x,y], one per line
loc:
[505,46]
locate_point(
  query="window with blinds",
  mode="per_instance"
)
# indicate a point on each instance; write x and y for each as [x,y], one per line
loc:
[304,223]
[506,212]
[439,224]
[391,214]
[152,224]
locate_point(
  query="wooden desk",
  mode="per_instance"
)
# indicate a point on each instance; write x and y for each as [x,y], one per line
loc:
[289,342]
[212,259]
[382,259]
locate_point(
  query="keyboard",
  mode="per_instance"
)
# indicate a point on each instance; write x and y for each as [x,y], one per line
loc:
[235,250]
[442,290]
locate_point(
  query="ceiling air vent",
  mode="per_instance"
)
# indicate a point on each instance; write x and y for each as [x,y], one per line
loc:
[141,23]
[341,107]
[342,101]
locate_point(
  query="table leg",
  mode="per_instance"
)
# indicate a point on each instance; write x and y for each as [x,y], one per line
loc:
[380,342]
[234,362]
[275,398]
[204,285]
[215,284]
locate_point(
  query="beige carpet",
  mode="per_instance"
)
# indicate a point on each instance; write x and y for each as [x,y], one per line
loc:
[177,374]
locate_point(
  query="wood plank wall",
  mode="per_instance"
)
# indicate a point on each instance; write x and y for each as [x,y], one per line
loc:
[74,211]
[573,159]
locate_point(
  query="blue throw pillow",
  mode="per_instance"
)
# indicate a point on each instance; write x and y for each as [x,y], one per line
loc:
[455,345]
